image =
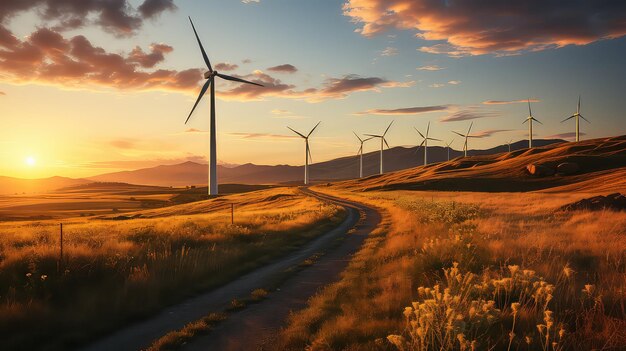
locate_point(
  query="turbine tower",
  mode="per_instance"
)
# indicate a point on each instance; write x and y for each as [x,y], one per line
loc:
[210,78]
[360,153]
[577,115]
[465,136]
[307,151]
[530,120]
[448,148]
[382,140]
[509,144]
[425,142]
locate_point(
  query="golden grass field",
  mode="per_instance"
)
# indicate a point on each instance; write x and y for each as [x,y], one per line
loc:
[114,271]
[474,271]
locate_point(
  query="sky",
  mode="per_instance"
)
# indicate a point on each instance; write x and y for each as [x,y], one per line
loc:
[94,86]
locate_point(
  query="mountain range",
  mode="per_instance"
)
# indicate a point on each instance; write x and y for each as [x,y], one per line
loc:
[192,173]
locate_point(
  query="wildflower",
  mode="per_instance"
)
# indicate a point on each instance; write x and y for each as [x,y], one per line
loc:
[408,311]
[28,275]
[588,289]
[528,340]
[568,271]
[561,333]
[44,277]
[513,269]
[515,307]
[541,328]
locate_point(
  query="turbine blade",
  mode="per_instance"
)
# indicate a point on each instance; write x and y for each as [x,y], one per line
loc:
[360,150]
[311,132]
[581,116]
[373,136]
[434,139]
[293,130]
[206,58]
[526,120]
[530,113]
[428,129]
[459,134]
[202,92]
[310,157]
[470,128]
[370,138]
[418,132]
[361,140]
[419,146]
[385,140]
[386,130]
[568,118]
[578,109]
[235,79]
[536,120]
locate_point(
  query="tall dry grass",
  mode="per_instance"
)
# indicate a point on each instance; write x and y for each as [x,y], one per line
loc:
[475,272]
[116,271]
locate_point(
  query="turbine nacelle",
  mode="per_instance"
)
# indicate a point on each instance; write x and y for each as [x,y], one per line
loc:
[209,74]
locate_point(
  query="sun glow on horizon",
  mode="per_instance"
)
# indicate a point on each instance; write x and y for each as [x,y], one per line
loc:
[30,161]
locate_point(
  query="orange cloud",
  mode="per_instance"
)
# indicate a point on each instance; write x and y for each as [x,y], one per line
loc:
[475,27]
[404,111]
[471,112]
[225,66]
[506,102]
[286,68]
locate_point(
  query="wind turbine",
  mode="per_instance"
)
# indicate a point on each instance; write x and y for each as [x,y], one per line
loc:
[210,78]
[448,148]
[382,140]
[509,144]
[425,142]
[577,115]
[530,120]
[307,151]
[466,136]
[360,153]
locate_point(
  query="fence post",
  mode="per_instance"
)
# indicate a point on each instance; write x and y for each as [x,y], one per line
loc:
[232,213]
[60,264]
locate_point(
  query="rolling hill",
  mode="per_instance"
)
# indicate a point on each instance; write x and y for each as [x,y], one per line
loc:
[600,165]
[10,185]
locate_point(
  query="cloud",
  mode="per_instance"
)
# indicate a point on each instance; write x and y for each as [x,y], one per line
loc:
[225,66]
[47,57]
[437,85]
[571,135]
[194,130]
[332,88]
[389,51]
[263,136]
[405,111]
[251,1]
[506,102]
[115,16]
[286,68]
[454,82]
[126,144]
[471,112]
[156,55]
[475,27]
[246,61]
[489,132]
[2,93]
[280,112]
[430,68]
[142,163]
[152,8]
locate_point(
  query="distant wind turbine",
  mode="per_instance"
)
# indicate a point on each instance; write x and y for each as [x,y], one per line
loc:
[509,144]
[448,148]
[577,115]
[382,140]
[425,142]
[210,78]
[466,136]
[307,151]
[360,153]
[530,120]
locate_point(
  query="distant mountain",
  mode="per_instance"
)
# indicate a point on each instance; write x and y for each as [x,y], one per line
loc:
[397,158]
[9,185]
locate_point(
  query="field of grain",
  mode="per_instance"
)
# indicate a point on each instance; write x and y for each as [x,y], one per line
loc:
[115,269]
[474,271]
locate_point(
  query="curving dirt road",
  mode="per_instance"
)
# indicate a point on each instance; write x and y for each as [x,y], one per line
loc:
[251,327]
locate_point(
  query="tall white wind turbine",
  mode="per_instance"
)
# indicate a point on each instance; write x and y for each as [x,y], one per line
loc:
[578,116]
[466,136]
[530,120]
[307,151]
[210,78]
[383,142]
[448,148]
[509,144]
[425,142]
[360,153]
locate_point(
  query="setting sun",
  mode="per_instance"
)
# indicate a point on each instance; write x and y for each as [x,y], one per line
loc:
[30,161]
